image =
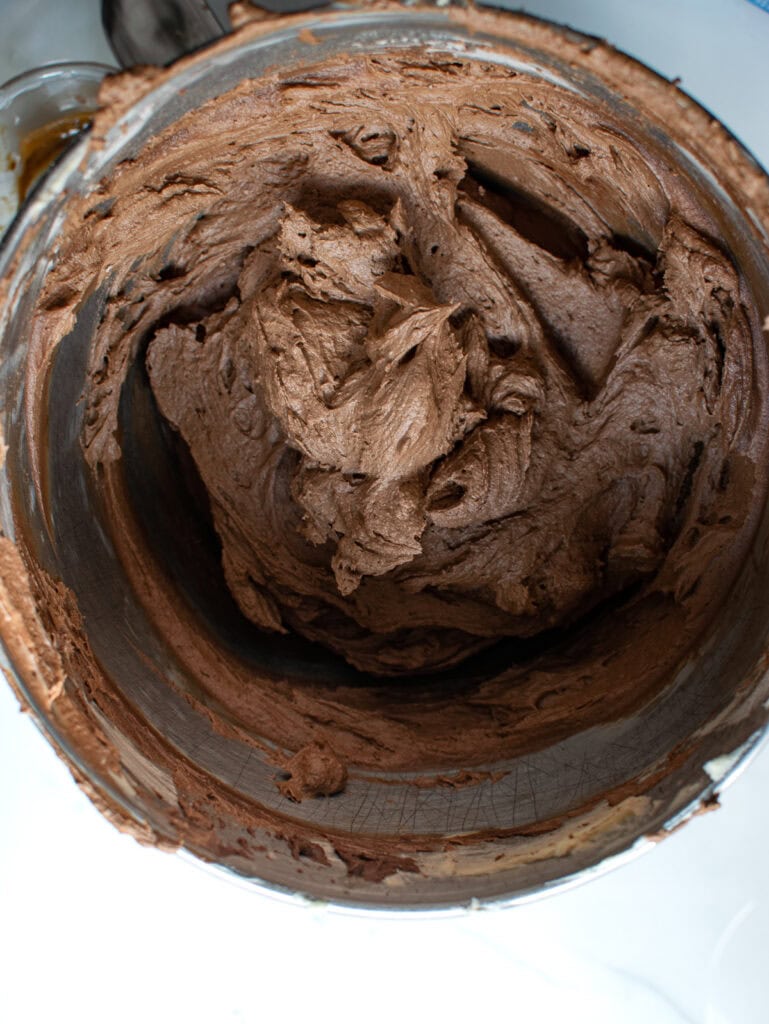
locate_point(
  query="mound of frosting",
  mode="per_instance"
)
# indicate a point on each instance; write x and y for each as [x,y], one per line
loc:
[453,353]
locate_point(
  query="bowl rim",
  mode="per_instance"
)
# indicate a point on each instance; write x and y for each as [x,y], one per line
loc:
[88,70]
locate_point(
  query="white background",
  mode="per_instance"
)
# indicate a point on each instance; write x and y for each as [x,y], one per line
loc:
[94,928]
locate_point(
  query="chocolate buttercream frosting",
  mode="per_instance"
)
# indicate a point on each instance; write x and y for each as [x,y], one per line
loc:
[477,349]
[464,378]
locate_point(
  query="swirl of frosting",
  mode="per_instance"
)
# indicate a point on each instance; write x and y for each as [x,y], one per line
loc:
[478,351]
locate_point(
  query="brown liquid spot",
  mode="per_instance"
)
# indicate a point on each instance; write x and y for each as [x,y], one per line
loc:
[40,147]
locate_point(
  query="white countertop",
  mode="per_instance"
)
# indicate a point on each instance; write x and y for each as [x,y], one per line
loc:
[94,928]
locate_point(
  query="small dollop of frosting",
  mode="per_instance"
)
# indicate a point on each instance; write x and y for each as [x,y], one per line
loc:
[313,771]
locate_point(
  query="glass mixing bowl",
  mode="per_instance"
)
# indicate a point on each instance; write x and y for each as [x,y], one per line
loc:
[538,822]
